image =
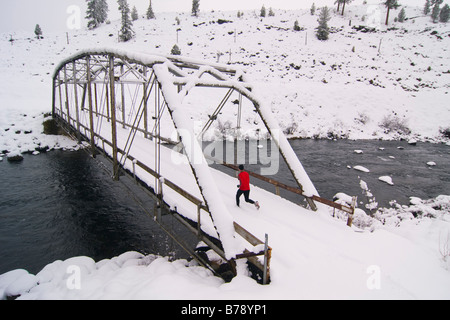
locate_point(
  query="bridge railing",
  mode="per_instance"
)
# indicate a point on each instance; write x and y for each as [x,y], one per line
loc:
[350,210]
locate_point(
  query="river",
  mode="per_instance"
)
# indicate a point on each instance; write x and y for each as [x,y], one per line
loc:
[61,204]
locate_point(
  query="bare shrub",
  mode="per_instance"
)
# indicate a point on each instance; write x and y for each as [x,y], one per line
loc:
[394,124]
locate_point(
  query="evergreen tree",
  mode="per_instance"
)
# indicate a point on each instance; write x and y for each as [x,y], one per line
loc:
[91,14]
[150,13]
[134,14]
[402,15]
[102,11]
[175,50]
[38,32]
[96,13]
[445,14]
[296,26]
[427,7]
[313,9]
[195,7]
[263,11]
[390,4]
[323,30]
[435,11]
[126,31]
[271,13]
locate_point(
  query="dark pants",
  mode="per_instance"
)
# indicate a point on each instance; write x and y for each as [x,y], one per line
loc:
[246,196]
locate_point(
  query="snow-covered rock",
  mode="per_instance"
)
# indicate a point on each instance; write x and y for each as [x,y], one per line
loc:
[361,168]
[386,179]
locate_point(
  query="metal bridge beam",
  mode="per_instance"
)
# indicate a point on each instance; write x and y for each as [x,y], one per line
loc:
[163,78]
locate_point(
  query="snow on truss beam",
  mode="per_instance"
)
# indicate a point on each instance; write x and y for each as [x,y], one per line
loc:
[221,217]
[240,84]
[190,63]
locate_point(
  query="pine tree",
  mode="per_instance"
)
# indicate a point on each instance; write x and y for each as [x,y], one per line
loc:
[150,13]
[175,50]
[126,32]
[195,7]
[102,11]
[402,15]
[313,9]
[390,4]
[38,32]
[323,30]
[263,11]
[96,13]
[134,14]
[271,13]
[91,15]
[435,11]
[427,7]
[445,14]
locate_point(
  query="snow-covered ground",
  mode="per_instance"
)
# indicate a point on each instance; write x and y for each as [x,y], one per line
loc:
[388,84]
[314,257]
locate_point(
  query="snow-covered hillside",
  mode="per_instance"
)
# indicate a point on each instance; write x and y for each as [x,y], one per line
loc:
[390,83]
[387,83]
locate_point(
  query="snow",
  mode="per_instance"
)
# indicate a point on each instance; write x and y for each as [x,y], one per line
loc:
[317,90]
[361,168]
[342,197]
[219,213]
[386,179]
[15,282]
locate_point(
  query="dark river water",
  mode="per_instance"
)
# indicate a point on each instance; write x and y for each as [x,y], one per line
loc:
[327,163]
[60,204]
[57,205]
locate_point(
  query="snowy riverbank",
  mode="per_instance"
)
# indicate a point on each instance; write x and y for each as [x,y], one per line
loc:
[406,258]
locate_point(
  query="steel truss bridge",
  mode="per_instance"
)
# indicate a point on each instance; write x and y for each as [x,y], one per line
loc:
[122,103]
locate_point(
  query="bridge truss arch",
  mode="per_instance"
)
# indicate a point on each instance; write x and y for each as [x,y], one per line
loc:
[102,93]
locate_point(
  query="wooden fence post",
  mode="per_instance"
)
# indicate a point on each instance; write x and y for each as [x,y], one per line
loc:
[350,215]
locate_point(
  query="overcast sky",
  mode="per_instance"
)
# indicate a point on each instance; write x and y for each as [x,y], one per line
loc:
[52,15]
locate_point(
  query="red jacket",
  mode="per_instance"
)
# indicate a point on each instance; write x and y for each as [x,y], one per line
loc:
[244,178]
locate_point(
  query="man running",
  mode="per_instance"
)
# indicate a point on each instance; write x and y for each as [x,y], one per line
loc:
[244,187]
